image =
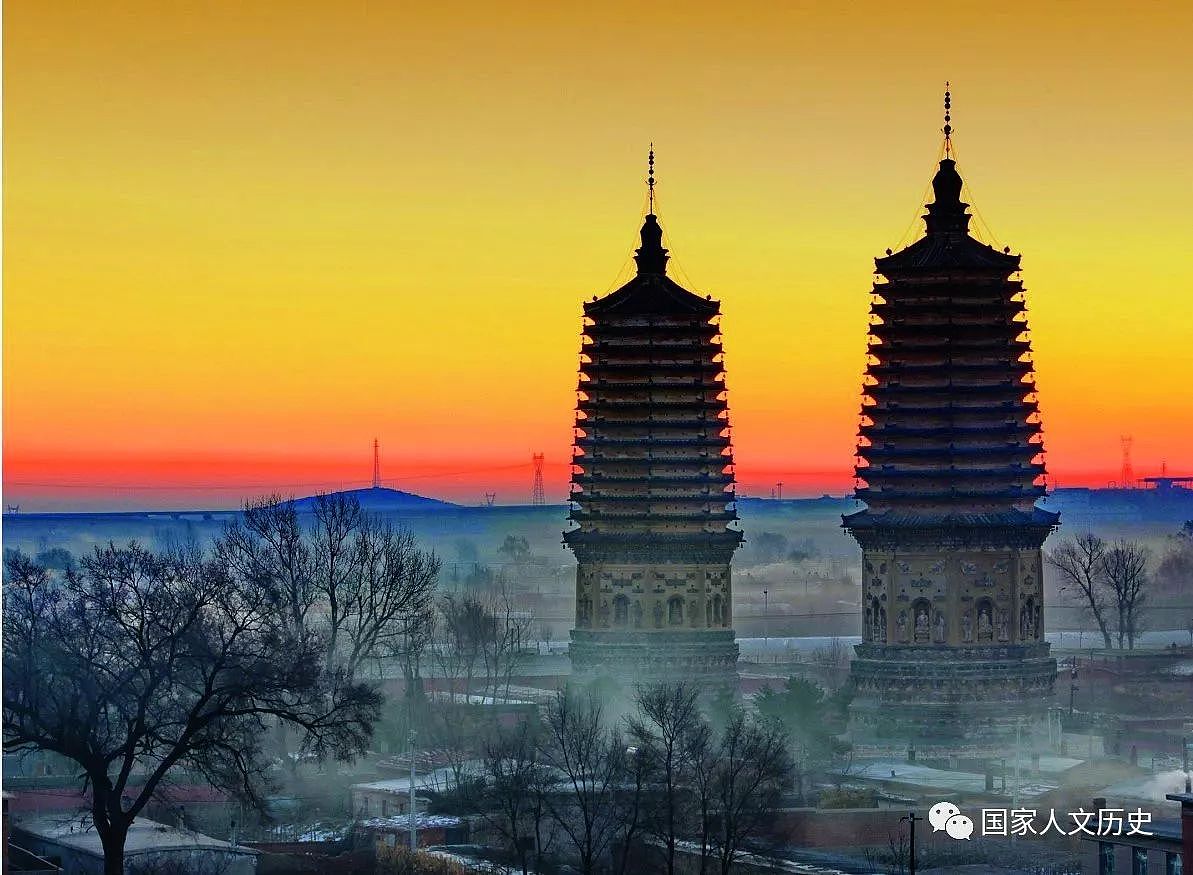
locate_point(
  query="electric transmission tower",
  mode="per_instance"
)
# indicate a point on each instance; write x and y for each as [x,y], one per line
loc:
[1126,477]
[538,495]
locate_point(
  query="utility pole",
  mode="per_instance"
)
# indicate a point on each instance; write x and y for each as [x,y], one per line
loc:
[911,818]
[1188,777]
[1015,796]
[1072,685]
[765,619]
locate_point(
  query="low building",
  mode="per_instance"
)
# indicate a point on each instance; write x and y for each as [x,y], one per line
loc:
[1166,848]
[430,829]
[391,796]
[71,842]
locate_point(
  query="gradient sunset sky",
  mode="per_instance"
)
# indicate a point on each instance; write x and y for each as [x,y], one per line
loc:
[244,239]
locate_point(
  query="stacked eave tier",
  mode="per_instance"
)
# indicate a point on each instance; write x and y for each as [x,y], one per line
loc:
[950,419]
[652,444]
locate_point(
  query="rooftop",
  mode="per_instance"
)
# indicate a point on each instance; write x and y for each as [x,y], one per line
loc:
[899,772]
[144,836]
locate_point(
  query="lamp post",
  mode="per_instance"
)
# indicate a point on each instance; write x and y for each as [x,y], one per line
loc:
[765,620]
[1015,795]
[911,818]
[1188,778]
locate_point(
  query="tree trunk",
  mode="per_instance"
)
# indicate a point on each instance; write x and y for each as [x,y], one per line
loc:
[113,838]
[538,838]
[1101,621]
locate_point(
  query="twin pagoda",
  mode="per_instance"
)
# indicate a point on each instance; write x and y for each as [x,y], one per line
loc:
[949,464]
[652,486]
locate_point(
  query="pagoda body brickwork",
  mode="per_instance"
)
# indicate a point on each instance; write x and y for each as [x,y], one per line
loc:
[950,467]
[652,488]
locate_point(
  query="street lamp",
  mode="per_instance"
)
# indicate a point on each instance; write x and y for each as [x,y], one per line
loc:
[1188,777]
[765,620]
[911,818]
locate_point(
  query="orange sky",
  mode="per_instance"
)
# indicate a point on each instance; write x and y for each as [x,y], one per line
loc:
[243,239]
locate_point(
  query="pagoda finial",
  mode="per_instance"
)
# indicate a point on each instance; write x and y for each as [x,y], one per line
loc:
[650,178]
[651,256]
[948,119]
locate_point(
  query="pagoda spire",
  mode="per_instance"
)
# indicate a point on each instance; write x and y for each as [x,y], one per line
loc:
[947,213]
[651,256]
[650,179]
[948,122]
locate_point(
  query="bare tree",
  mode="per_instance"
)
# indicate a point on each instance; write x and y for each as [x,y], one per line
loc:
[631,800]
[268,547]
[1127,580]
[592,806]
[415,644]
[481,642]
[350,576]
[505,653]
[752,768]
[336,565]
[387,603]
[1081,563]
[135,664]
[668,714]
[516,793]
[699,752]
[463,631]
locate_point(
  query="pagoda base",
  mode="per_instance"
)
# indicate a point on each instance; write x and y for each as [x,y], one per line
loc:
[704,658]
[956,699]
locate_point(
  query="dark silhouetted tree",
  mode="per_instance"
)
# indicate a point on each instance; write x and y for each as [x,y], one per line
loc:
[1127,580]
[750,770]
[350,576]
[515,548]
[804,712]
[515,796]
[770,547]
[1081,564]
[667,715]
[135,664]
[599,791]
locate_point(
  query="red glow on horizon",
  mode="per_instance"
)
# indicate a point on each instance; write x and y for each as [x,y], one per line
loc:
[218,482]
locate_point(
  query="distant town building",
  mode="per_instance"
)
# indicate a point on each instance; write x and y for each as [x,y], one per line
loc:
[652,488]
[950,467]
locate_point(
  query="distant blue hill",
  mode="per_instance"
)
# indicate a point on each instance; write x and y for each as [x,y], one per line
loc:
[381,498]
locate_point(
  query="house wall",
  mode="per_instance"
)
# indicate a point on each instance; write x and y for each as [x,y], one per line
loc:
[380,803]
[1092,860]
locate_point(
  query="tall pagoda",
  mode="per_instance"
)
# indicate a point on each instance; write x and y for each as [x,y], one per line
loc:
[652,488]
[950,465]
